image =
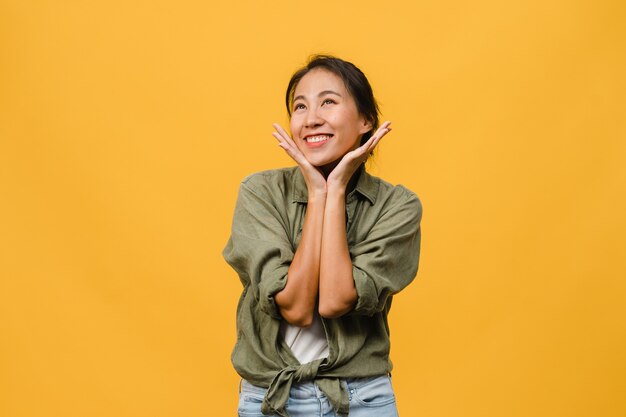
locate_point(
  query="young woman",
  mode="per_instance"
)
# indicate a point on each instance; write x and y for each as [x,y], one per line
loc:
[320,249]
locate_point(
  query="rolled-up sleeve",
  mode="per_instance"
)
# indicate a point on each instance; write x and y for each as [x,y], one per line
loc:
[259,249]
[386,261]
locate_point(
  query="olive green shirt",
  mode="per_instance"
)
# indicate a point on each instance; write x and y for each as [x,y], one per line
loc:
[383,232]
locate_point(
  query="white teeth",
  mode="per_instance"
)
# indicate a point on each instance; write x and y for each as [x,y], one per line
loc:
[313,139]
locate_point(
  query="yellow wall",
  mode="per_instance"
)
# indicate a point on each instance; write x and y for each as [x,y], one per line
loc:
[125,128]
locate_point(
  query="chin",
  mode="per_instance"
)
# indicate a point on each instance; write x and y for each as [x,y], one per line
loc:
[324,163]
[317,160]
[320,164]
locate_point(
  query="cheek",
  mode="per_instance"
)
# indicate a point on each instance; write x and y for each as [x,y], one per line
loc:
[344,120]
[294,126]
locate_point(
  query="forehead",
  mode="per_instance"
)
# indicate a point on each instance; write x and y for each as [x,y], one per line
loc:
[318,80]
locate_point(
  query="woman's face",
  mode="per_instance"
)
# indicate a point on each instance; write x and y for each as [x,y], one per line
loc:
[325,122]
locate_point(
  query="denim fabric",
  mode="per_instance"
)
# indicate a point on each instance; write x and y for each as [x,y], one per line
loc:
[368,397]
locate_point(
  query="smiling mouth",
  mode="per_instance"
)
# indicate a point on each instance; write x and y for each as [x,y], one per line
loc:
[317,138]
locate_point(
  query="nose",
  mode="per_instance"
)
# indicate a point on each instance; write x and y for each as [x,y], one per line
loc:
[312,118]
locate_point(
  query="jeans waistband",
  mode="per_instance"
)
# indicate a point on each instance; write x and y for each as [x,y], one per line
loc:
[309,389]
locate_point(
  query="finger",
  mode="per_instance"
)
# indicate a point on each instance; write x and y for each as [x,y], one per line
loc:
[296,156]
[375,142]
[287,143]
[371,144]
[376,137]
[362,150]
[283,133]
[373,137]
[279,129]
[291,149]
[281,139]
[282,142]
[284,139]
[383,129]
[360,154]
[293,153]
[278,137]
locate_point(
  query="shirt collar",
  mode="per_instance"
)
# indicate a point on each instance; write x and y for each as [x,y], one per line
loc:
[366,186]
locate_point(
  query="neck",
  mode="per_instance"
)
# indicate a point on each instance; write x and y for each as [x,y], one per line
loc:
[327,169]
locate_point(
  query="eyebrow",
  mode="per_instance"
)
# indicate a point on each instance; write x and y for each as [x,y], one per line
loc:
[322,93]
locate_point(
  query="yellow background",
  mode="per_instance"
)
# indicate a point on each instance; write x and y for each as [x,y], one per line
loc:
[126,126]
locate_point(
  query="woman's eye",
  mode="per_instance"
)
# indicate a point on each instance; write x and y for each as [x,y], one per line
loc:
[328,101]
[298,106]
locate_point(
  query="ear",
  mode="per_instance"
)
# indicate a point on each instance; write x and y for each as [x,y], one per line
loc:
[365,127]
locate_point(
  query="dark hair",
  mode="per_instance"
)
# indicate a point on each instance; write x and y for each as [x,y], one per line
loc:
[355,81]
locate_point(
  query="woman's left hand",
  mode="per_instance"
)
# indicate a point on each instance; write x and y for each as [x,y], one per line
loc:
[340,176]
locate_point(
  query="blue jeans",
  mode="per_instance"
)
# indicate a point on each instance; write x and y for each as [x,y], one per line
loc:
[368,397]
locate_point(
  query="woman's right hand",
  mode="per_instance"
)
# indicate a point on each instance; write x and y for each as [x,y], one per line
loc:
[315,181]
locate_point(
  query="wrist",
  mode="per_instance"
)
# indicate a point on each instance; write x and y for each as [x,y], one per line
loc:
[317,196]
[336,181]
[336,191]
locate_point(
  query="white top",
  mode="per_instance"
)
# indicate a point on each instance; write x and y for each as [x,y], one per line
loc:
[306,343]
